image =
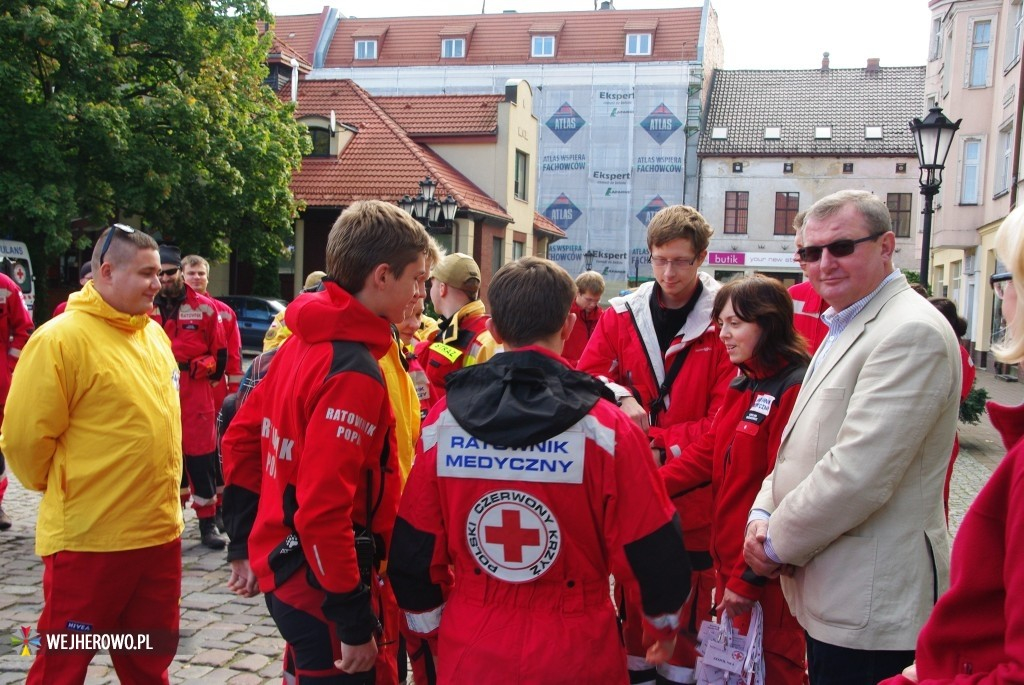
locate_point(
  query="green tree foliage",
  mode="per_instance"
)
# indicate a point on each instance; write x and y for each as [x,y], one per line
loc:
[147,108]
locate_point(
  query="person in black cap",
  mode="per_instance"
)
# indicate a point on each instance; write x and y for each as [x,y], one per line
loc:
[197,340]
[84,275]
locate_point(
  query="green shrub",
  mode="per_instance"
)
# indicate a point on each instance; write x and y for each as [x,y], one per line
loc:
[973,408]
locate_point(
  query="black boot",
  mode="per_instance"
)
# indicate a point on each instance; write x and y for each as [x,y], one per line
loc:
[218,518]
[210,536]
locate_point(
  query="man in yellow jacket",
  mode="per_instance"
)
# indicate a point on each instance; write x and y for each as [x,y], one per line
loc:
[93,422]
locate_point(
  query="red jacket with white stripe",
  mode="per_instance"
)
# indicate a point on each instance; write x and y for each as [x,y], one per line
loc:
[15,327]
[532,488]
[315,439]
[624,350]
[807,309]
[736,455]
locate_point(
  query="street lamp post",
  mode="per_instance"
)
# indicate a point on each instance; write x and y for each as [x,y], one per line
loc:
[933,136]
[588,259]
[636,270]
[436,216]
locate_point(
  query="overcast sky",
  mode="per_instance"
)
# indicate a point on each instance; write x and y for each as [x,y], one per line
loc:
[757,34]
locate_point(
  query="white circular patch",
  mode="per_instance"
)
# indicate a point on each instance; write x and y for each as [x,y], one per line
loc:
[513,535]
[20,274]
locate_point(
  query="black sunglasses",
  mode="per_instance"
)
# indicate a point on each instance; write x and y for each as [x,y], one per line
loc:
[1000,282]
[839,248]
[170,272]
[110,234]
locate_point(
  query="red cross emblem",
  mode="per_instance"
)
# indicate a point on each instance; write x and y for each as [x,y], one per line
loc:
[19,273]
[513,535]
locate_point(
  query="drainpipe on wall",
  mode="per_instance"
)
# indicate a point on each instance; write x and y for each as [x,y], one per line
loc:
[1015,169]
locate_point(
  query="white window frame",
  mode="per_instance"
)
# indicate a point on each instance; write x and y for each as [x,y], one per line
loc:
[1014,33]
[970,172]
[976,75]
[1005,158]
[822,132]
[522,176]
[638,44]
[453,48]
[872,133]
[935,50]
[542,46]
[772,132]
[365,49]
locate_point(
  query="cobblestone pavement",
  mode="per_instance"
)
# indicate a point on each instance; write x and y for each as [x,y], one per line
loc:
[231,640]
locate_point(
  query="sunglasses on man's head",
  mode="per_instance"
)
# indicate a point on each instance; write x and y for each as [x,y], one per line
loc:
[110,234]
[839,248]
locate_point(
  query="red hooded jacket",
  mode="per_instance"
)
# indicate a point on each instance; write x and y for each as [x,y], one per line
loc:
[316,440]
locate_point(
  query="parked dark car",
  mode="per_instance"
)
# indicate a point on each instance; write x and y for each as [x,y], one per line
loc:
[255,315]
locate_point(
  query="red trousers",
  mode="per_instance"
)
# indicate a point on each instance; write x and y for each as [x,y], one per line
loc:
[680,668]
[134,591]
[783,644]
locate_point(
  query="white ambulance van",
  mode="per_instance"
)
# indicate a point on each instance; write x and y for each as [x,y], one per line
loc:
[15,262]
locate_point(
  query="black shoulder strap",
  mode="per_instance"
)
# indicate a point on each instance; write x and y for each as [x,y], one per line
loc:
[658,404]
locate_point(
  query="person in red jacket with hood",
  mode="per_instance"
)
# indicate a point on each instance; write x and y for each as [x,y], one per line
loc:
[587,308]
[975,633]
[533,486]
[15,328]
[310,460]
[754,317]
[658,348]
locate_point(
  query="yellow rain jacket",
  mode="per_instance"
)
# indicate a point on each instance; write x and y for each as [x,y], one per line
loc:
[93,422]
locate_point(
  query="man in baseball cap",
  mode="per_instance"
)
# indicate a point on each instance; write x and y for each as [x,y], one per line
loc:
[462,338]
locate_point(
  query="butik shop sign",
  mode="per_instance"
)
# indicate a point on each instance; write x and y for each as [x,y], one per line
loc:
[753,259]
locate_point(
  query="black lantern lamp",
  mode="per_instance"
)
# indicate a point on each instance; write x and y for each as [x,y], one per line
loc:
[933,137]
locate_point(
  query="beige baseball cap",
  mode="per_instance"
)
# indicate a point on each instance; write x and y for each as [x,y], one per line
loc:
[459,271]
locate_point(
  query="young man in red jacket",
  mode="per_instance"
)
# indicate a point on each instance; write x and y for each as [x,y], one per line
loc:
[587,308]
[532,485]
[15,328]
[197,339]
[659,350]
[310,460]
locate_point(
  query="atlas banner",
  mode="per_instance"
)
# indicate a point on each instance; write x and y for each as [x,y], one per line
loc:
[610,156]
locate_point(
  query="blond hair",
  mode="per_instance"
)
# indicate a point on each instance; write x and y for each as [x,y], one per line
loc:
[369,233]
[1010,250]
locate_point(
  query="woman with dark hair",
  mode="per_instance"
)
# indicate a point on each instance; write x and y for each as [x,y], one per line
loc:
[947,308]
[754,317]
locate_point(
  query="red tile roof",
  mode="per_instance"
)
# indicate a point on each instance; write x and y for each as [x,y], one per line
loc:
[281,51]
[451,115]
[301,31]
[543,224]
[380,162]
[506,38]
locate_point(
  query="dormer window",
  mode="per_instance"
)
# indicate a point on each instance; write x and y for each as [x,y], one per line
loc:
[453,48]
[638,44]
[543,46]
[321,138]
[366,49]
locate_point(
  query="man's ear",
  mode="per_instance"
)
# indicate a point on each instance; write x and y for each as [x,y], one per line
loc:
[491,329]
[379,275]
[570,322]
[888,241]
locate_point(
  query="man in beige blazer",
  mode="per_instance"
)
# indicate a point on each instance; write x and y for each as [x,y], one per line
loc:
[852,514]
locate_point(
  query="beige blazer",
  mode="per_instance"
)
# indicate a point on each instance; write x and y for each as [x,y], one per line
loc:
[856,494]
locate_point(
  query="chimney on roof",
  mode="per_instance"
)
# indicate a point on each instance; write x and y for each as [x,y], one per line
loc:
[824,61]
[873,67]
[606,5]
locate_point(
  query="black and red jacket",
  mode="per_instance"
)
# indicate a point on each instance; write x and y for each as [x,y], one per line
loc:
[316,440]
